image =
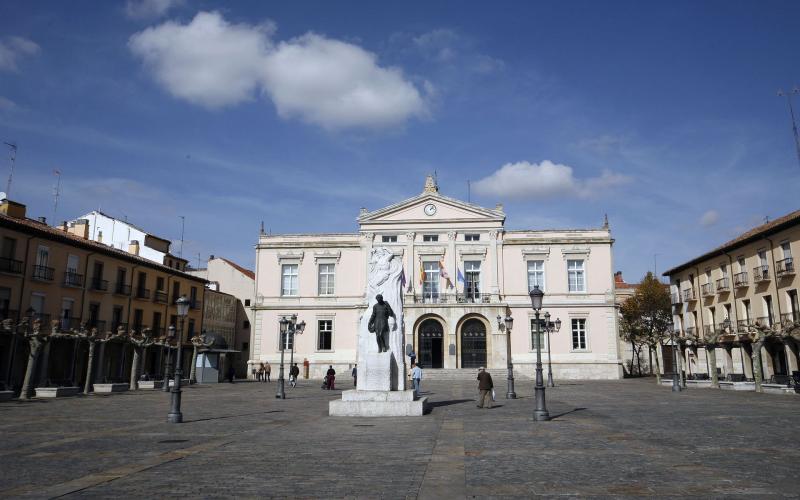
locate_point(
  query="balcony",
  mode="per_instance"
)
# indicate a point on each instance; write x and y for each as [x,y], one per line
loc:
[760,273]
[675,299]
[453,298]
[723,285]
[44,318]
[116,325]
[764,321]
[690,331]
[69,324]
[742,324]
[138,328]
[43,273]
[688,295]
[122,289]
[784,267]
[99,325]
[707,290]
[99,285]
[10,266]
[474,298]
[791,317]
[725,331]
[143,293]
[157,331]
[160,297]
[73,279]
[740,280]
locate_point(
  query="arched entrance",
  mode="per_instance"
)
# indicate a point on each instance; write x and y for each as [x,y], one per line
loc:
[473,344]
[431,344]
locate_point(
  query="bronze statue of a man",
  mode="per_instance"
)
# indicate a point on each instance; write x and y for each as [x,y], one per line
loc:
[379,322]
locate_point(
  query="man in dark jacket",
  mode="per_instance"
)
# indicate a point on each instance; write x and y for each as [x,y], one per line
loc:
[485,386]
[294,372]
[331,374]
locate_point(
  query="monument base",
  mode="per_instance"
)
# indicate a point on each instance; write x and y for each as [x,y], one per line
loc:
[359,403]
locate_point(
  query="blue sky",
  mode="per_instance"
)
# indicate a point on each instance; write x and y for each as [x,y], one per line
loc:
[663,115]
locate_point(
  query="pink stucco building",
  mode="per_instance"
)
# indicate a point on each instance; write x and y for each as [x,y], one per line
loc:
[450,323]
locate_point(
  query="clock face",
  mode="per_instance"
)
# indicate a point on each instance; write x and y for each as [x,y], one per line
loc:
[430,209]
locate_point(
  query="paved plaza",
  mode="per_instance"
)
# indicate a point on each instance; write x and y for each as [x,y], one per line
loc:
[622,438]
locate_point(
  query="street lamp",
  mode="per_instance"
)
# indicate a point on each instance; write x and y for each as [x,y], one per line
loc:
[676,384]
[550,327]
[295,328]
[168,360]
[540,413]
[509,323]
[175,416]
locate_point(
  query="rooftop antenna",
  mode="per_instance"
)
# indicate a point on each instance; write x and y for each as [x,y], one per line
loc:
[469,197]
[13,155]
[183,223]
[788,95]
[56,193]
[766,219]
[262,227]
[198,260]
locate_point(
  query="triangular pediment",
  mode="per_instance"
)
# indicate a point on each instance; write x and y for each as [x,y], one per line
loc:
[444,209]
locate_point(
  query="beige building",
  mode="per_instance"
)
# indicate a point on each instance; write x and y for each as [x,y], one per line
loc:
[750,279]
[463,270]
[59,274]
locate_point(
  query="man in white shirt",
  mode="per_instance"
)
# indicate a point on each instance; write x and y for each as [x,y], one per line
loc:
[416,377]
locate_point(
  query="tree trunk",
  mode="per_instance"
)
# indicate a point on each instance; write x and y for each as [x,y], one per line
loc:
[658,368]
[638,360]
[757,366]
[137,359]
[711,351]
[87,388]
[681,375]
[33,359]
[650,359]
[193,369]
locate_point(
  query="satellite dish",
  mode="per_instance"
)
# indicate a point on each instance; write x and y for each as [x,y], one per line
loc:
[2,195]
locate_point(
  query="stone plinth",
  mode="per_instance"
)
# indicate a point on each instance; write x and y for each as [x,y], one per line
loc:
[363,403]
[56,392]
[777,389]
[151,384]
[375,374]
[6,395]
[738,386]
[105,388]
[697,383]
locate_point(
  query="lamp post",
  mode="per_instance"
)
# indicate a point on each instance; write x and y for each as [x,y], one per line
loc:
[550,327]
[284,323]
[175,416]
[509,323]
[540,413]
[676,384]
[167,360]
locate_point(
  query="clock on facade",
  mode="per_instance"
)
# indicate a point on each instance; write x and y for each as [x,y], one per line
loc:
[430,209]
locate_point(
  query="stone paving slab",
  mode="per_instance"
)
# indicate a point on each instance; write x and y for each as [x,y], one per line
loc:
[627,438]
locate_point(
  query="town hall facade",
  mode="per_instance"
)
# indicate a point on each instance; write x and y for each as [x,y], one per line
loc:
[463,271]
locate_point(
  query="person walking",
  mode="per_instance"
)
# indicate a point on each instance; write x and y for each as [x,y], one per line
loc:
[355,375]
[416,378]
[331,374]
[261,373]
[254,372]
[267,371]
[485,386]
[294,371]
[231,371]
[413,357]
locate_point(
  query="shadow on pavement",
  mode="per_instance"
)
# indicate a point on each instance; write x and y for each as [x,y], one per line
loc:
[553,417]
[232,416]
[437,404]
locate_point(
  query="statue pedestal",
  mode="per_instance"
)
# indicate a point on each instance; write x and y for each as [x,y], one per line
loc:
[360,403]
[375,372]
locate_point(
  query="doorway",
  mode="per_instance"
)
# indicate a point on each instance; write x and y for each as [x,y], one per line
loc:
[473,344]
[431,344]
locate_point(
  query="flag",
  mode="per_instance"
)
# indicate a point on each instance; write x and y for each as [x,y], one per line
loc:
[459,276]
[444,274]
[421,273]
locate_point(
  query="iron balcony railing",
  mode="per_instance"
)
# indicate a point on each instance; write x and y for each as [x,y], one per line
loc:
[721,328]
[43,318]
[99,285]
[142,293]
[98,324]
[784,267]
[122,289]
[790,317]
[43,273]
[10,265]
[760,273]
[690,330]
[159,296]
[764,321]
[73,279]
[69,324]
[742,324]
[723,285]
[115,326]
[740,279]
[138,328]
[688,295]
[453,298]
[707,289]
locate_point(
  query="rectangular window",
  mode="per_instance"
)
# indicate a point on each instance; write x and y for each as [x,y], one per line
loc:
[430,237]
[326,278]
[430,287]
[724,269]
[160,284]
[116,319]
[5,304]
[472,280]
[324,335]
[176,291]
[472,237]
[287,340]
[289,280]
[742,265]
[9,248]
[787,250]
[541,337]
[42,256]
[576,276]
[535,274]
[578,333]
[138,320]
[762,257]
[389,238]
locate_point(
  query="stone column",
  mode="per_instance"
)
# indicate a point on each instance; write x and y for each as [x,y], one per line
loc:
[748,364]
[728,360]
[791,356]
[493,266]
[366,247]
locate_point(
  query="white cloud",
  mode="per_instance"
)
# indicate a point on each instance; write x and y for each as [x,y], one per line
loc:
[327,82]
[149,9]
[544,180]
[709,218]
[13,48]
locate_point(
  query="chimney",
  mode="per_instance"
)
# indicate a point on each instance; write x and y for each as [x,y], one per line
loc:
[211,257]
[618,277]
[499,207]
[43,220]
[79,228]
[12,209]
[133,247]
[63,226]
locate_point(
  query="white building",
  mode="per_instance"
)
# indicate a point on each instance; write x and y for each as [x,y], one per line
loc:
[450,323]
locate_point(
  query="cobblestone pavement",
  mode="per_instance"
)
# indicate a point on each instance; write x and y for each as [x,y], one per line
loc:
[623,438]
